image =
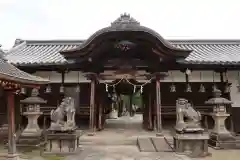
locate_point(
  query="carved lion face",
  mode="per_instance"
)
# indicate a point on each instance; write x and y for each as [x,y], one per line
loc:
[181,101]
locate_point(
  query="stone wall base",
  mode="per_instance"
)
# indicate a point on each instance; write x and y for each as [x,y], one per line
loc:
[222,141]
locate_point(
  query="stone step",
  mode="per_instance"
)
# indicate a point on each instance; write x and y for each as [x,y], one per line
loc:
[161,145]
[145,145]
[108,141]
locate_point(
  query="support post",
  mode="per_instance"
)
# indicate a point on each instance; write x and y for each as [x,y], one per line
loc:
[12,152]
[158,106]
[150,125]
[100,126]
[92,118]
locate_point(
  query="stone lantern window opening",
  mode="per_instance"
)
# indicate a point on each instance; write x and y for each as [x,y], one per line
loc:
[33,108]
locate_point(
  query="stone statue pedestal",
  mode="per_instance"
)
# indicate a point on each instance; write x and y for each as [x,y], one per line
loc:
[62,142]
[192,144]
[32,128]
[190,138]
[220,137]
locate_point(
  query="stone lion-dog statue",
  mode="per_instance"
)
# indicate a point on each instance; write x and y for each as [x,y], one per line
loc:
[188,119]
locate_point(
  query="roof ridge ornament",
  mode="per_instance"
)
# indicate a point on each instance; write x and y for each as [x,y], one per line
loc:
[125,19]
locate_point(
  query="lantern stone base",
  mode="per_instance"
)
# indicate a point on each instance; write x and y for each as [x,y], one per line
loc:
[31,133]
[32,128]
[30,139]
[12,157]
[30,142]
[9,156]
[191,144]
[222,141]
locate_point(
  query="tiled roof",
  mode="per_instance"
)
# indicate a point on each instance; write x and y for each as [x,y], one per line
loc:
[203,51]
[210,51]
[10,72]
[40,52]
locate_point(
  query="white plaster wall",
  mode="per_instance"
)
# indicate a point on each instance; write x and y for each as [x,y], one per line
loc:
[70,77]
[206,76]
[176,76]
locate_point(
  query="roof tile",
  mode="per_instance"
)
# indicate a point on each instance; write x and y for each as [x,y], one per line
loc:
[203,51]
[10,72]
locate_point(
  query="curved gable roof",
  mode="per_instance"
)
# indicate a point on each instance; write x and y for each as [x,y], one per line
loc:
[127,23]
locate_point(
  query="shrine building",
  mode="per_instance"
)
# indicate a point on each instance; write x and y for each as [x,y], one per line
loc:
[127,57]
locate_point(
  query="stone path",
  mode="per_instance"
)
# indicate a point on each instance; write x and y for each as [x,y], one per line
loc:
[122,153]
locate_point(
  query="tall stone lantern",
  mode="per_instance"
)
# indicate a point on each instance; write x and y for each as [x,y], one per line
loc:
[32,112]
[220,137]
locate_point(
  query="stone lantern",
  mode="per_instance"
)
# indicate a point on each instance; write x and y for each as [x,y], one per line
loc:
[220,137]
[32,112]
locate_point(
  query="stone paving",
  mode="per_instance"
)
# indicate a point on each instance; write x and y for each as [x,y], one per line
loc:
[123,152]
[116,143]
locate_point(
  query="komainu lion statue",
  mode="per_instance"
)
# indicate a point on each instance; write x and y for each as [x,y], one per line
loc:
[66,108]
[184,110]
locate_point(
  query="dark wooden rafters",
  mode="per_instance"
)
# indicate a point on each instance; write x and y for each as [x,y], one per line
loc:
[122,24]
[136,37]
[125,28]
[106,51]
[164,67]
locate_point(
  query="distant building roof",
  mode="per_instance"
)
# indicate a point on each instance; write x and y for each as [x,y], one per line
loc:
[11,73]
[31,52]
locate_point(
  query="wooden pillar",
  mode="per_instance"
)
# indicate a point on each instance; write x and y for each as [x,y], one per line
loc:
[99,106]
[130,106]
[92,118]
[12,153]
[149,98]
[158,106]
[100,125]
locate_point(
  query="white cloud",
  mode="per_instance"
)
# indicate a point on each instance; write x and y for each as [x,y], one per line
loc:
[53,19]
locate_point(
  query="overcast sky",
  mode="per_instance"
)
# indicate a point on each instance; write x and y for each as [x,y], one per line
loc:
[78,19]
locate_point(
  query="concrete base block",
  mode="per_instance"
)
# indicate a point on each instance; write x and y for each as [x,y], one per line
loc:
[191,144]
